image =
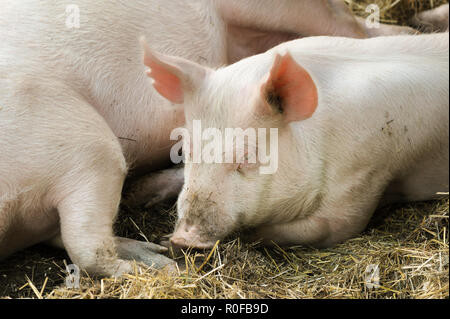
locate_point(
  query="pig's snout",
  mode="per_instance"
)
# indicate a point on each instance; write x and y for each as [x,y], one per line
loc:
[201,222]
[187,236]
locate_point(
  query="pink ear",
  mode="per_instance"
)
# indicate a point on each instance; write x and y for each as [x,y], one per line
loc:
[166,80]
[290,89]
[173,76]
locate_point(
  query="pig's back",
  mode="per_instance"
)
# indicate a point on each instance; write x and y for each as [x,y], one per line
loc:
[104,51]
[102,59]
[386,47]
[39,29]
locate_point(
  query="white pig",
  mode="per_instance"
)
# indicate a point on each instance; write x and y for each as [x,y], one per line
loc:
[77,111]
[361,123]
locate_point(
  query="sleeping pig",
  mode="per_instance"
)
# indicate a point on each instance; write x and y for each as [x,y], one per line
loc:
[360,123]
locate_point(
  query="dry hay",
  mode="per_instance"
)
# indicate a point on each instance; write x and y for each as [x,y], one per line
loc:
[408,243]
[394,11]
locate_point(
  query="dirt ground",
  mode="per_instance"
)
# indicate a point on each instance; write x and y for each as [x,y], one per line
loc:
[405,247]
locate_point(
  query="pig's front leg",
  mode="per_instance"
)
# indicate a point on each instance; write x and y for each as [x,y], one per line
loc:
[314,231]
[337,220]
[309,231]
[156,187]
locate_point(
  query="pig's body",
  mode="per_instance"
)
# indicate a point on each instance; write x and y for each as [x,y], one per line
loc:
[76,109]
[360,122]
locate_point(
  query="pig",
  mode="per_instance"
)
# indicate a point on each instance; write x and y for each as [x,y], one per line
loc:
[361,123]
[77,114]
[245,42]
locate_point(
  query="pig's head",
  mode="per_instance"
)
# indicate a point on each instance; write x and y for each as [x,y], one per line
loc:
[262,92]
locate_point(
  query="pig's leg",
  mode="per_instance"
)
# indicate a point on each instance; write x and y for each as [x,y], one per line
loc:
[256,26]
[341,216]
[154,188]
[86,221]
[436,20]
[87,214]
[308,231]
[318,17]
[87,217]
[314,230]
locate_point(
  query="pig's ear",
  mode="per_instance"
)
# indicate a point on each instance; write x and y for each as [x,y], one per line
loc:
[289,90]
[173,77]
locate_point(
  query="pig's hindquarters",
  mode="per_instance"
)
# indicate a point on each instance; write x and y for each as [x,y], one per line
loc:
[59,160]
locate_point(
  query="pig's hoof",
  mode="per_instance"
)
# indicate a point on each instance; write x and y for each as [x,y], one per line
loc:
[147,253]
